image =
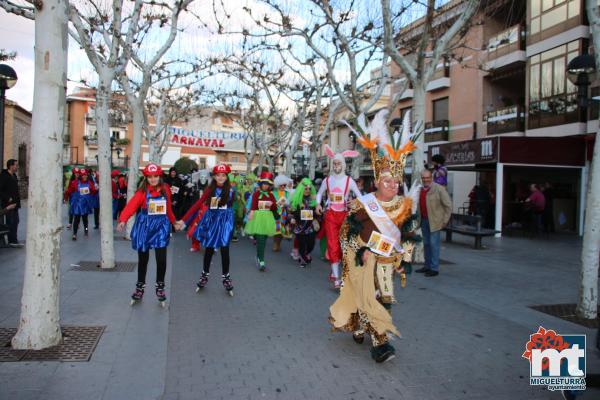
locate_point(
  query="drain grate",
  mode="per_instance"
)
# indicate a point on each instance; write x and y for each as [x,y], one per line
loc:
[79,342]
[567,312]
[120,266]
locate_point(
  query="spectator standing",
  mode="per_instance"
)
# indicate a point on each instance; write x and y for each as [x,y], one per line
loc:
[176,186]
[435,208]
[9,194]
[536,203]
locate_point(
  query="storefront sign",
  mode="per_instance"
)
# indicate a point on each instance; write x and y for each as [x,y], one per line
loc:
[468,152]
[192,138]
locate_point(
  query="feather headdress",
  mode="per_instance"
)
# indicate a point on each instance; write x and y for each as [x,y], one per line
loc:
[389,150]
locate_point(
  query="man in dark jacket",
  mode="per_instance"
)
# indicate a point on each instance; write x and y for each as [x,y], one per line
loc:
[9,194]
[176,190]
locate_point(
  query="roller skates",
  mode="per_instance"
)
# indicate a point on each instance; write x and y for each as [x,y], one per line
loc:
[202,282]
[260,265]
[228,285]
[136,297]
[161,295]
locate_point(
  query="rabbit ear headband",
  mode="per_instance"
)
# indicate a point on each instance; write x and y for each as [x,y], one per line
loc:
[348,153]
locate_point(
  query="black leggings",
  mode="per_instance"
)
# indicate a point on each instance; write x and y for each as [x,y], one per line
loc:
[161,264]
[76,219]
[96,217]
[208,253]
[306,244]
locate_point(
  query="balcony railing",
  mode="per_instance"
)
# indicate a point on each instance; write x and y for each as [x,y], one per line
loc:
[506,119]
[506,42]
[91,141]
[442,72]
[552,111]
[437,131]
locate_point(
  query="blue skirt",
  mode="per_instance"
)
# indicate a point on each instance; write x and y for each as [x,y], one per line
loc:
[80,205]
[150,232]
[95,201]
[215,228]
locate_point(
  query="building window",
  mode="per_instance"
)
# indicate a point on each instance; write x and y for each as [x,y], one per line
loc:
[545,14]
[116,134]
[440,109]
[552,97]
[202,163]
[235,159]
[403,112]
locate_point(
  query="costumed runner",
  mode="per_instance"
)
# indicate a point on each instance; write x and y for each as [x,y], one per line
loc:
[95,198]
[282,198]
[152,228]
[377,236]
[337,187]
[262,216]
[79,194]
[237,183]
[201,184]
[215,229]
[74,176]
[304,220]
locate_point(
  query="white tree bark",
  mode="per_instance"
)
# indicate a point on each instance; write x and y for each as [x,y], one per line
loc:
[39,324]
[134,162]
[418,122]
[587,305]
[107,248]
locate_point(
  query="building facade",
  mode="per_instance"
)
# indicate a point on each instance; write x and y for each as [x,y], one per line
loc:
[503,113]
[17,140]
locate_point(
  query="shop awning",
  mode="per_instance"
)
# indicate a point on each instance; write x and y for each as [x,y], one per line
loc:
[483,154]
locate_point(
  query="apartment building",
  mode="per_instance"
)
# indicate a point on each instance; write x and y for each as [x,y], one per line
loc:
[503,113]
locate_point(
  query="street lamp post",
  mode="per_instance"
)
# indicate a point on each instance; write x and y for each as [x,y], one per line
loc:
[8,79]
[581,71]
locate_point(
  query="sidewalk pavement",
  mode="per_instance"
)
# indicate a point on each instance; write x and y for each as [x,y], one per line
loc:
[463,331]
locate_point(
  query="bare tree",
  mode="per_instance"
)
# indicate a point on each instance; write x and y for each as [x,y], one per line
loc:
[39,323]
[587,304]
[167,105]
[148,67]
[106,36]
[421,49]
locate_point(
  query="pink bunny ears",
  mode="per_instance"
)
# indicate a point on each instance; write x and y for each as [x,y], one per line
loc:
[347,153]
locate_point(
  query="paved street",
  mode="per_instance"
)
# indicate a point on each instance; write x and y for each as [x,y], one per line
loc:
[463,331]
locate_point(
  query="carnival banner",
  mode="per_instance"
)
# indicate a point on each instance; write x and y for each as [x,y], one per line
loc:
[212,139]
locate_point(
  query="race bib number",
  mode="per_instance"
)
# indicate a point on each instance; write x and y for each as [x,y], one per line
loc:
[336,198]
[84,190]
[264,205]
[306,215]
[174,190]
[214,204]
[157,207]
[381,244]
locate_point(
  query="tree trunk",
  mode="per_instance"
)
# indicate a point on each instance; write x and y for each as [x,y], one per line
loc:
[312,165]
[418,125]
[154,147]
[39,324]
[136,152]
[587,305]
[103,93]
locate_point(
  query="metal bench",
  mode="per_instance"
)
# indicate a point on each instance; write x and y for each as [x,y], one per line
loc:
[469,225]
